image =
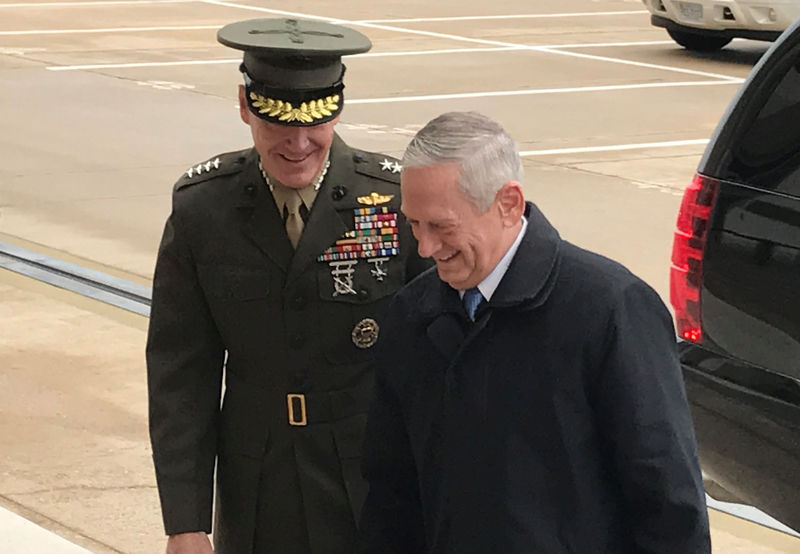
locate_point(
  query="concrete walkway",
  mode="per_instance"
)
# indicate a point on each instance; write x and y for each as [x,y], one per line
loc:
[20,536]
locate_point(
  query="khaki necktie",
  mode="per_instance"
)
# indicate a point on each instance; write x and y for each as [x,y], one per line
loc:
[291,212]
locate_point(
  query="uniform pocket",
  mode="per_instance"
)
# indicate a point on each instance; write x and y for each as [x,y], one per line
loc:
[352,310]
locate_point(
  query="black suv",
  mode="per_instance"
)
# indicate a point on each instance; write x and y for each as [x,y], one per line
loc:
[735,289]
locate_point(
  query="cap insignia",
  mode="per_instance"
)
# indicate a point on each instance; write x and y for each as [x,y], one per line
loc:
[295,34]
[375,199]
[284,111]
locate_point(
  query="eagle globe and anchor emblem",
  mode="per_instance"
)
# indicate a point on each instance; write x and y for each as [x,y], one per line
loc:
[365,333]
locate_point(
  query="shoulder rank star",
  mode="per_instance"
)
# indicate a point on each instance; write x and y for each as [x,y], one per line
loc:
[375,199]
[388,165]
[198,169]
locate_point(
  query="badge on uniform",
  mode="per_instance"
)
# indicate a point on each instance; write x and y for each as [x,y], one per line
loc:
[365,333]
[374,238]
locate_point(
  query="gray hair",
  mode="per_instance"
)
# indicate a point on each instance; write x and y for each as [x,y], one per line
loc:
[486,155]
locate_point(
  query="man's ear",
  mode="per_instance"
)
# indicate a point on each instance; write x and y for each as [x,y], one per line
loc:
[511,203]
[244,111]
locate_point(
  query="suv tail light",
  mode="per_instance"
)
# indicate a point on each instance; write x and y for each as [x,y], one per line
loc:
[686,271]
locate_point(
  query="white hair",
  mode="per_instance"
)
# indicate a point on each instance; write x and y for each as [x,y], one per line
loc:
[486,155]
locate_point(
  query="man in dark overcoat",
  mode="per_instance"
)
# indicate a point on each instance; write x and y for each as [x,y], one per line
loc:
[529,397]
[275,270]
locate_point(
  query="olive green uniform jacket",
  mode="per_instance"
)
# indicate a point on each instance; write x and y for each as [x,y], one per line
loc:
[234,303]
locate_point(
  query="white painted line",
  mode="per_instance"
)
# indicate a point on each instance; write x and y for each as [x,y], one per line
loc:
[91,4]
[607,44]
[749,513]
[515,16]
[459,38]
[239,60]
[436,52]
[494,43]
[367,55]
[140,64]
[531,92]
[614,147]
[109,30]
[643,64]
[20,536]
[276,12]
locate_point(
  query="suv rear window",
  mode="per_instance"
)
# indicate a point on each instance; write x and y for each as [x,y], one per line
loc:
[768,154]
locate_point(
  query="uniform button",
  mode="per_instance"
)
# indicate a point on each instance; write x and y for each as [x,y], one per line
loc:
[363,294]
[299,302]
[297,341]
[250,190]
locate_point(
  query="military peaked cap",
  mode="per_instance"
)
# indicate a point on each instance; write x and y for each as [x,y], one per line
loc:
[293,70]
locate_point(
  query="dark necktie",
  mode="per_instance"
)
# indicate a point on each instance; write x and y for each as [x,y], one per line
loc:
[472,299]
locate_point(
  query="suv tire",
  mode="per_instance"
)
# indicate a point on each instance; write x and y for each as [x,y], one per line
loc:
[697,42]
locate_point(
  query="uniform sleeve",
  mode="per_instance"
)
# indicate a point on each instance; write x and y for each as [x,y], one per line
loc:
[644,417]
[184,372]
[391,519]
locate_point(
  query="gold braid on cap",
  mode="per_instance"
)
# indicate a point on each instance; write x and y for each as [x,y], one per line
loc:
[284,111]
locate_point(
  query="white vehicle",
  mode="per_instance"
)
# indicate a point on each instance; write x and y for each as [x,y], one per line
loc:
[707,25]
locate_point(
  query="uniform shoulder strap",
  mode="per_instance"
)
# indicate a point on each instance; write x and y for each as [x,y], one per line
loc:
[378,166]
[224,164]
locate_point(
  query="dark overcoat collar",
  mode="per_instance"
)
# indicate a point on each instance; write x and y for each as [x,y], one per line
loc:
[527,281]
[526,285]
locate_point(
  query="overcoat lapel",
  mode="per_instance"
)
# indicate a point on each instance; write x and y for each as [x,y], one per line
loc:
[446,328]
[526,285]
[261,221]
[324,224]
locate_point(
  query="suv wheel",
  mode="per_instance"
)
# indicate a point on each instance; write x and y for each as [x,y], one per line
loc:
[699,43]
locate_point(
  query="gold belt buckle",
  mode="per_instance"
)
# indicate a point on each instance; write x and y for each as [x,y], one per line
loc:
[293,414]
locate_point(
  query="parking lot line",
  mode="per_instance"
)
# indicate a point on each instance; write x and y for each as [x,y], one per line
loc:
[239,60]
[366,55]
[370,24]
[110,30]
[533,92]
[513,16]
[641,64]
[614,147]
[457,37]
[84,4]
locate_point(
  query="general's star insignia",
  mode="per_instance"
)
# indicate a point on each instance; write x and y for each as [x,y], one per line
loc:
[396,168]
[387,165]
[199,168]
[375,199]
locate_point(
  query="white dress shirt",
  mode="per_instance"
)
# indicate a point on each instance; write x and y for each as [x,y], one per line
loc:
[491,281]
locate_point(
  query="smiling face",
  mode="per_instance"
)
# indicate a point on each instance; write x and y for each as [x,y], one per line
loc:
[465,243]
[291,154]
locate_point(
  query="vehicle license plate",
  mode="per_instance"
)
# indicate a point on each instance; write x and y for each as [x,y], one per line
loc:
[692,11]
